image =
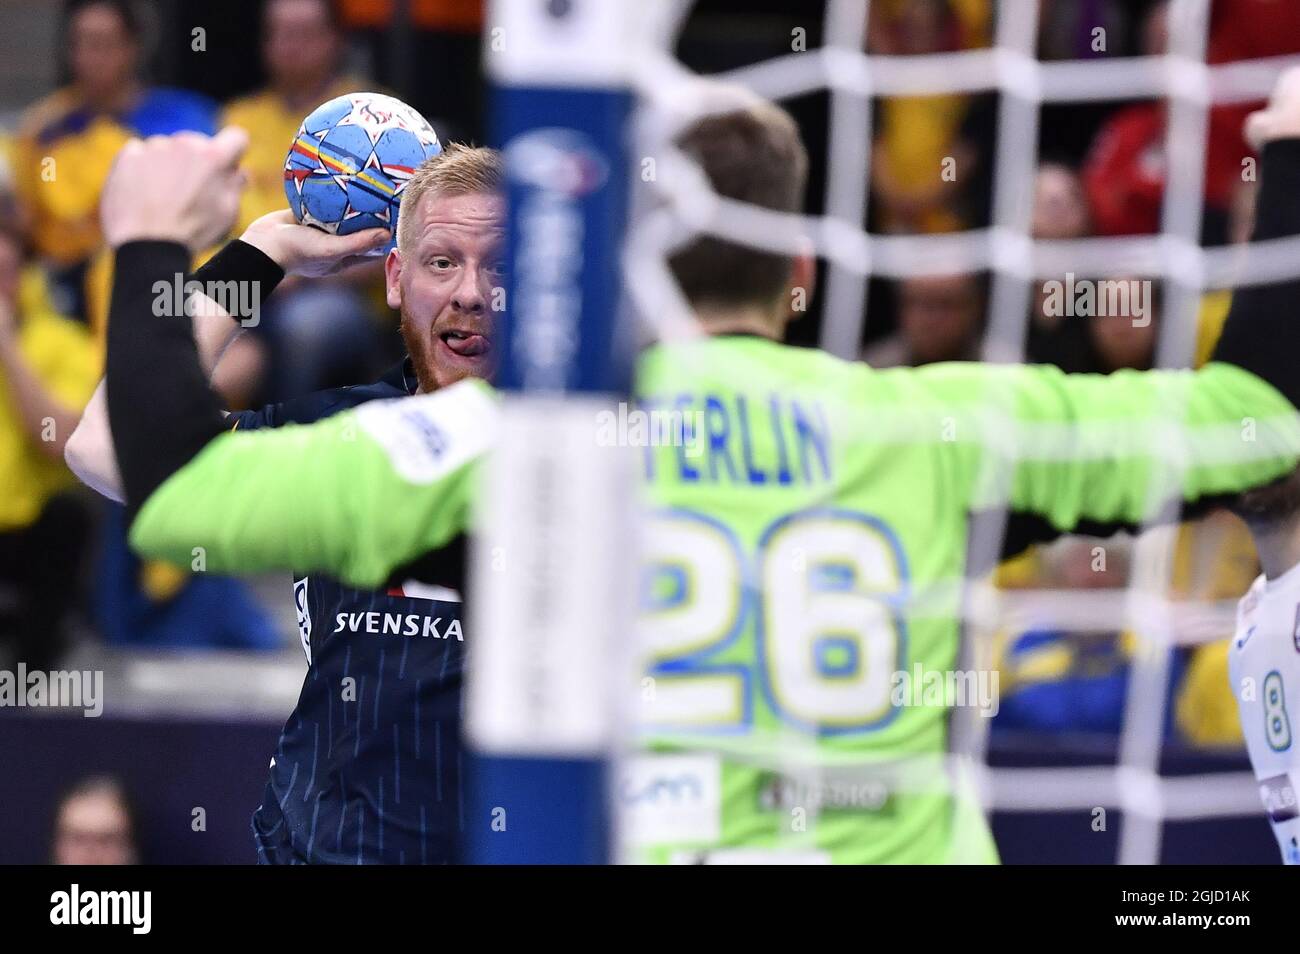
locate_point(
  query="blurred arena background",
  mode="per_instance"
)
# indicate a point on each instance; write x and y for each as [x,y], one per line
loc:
[199,672]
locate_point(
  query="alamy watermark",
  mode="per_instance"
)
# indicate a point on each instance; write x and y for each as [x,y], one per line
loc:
[634,426]
[824,793]
[946,689]
[75,906]
[57,689]
[1110,298]
[240,300]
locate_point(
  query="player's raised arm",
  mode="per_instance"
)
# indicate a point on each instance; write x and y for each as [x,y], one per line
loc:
[358,495]
[272,247]
[1261,331]
[165,199]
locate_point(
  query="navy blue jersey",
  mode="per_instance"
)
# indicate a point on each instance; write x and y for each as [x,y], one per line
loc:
[368,767]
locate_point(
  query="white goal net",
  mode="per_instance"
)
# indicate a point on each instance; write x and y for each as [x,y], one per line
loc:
[684,206]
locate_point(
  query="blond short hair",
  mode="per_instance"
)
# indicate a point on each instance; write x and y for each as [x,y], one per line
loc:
[457,170]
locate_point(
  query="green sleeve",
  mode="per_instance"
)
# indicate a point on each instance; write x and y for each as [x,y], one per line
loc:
[1112,448]
[356,495]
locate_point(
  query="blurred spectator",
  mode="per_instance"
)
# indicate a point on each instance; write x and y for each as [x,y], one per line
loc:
[1060,206]
[1067,29]
[67,142]
[921,163]
[1054,680]
[95,824]
[48,368]
[1081,30]
[1126,167]
[900,27]
[1214,560]
[65,147]
[1243,30]
[154,604]
[436,64]
[1060,212]
[320,333]
[1072,345]
[9,212]
[1097,343]
[302,47]
[1124,340]
[1252,29]
[940,318]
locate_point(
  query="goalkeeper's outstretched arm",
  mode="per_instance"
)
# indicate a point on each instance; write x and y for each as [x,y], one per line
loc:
[1091,453]
[1085,450]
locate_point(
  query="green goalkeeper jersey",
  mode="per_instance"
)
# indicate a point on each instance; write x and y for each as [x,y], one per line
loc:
[804,553]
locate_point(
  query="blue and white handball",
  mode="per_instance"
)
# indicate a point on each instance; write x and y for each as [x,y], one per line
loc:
[351,160]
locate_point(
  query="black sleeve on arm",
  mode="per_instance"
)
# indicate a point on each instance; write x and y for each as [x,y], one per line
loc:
[445,566]
[240,262]
[1262,332]
[160,407]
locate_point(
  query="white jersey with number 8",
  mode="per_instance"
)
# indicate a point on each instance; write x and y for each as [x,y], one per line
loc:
[1264,665]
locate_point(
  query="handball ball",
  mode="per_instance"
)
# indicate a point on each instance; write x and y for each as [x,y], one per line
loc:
[351,160]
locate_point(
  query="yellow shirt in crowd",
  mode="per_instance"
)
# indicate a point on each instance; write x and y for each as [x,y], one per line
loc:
[60,172]
[271,125]
[66,358]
